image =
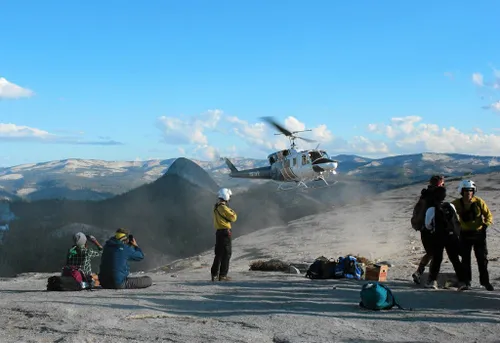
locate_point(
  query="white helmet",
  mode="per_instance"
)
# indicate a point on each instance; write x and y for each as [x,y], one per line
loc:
[225,194]
[466,184]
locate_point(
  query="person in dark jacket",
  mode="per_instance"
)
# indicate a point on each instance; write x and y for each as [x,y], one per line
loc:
[114,269]
[426,199]
[441,220]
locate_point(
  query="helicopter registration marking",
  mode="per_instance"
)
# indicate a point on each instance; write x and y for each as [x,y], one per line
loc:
[254,173]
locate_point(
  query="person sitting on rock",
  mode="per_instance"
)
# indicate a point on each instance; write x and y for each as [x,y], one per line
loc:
[80,255]
[114,270]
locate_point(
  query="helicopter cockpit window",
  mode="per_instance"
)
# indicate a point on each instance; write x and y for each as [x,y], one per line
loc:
[304,159]
[314,155]
[294,161]
[271,160]
[324,154]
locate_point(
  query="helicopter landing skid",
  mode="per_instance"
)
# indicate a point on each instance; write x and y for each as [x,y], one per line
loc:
[301,185]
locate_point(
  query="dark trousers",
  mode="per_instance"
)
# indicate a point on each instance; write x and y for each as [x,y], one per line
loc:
[452,246]
[130,283]
[427,241]
[476,241]
[220,265]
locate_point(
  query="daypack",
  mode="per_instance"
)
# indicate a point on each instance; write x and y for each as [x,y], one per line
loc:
[376,296]
[72,279]
[446,220]
[349,268]
[63,283]
[344,267]
[321,268]
[418,217]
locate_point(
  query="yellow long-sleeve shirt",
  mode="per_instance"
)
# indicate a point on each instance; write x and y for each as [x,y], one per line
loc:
[471,220]
[223,216]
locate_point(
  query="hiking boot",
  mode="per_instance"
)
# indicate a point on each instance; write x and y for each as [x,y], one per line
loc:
[489,287]
[416,277]
[431,284]
[214,278]
[224,278]
[463,286]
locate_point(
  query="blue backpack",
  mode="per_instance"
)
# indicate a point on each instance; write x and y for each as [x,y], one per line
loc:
[376,296]
[349,268]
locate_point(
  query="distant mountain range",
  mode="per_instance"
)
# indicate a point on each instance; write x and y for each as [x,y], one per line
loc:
[82,179]
[171,218]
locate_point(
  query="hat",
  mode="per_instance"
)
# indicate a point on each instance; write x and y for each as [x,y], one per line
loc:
[80,239]
[121,233]
[435,179]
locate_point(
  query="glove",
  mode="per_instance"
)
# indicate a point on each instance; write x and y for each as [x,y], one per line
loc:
[483,230]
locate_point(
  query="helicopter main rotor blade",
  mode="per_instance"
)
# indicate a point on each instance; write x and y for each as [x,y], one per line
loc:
[307,139]
[280,128]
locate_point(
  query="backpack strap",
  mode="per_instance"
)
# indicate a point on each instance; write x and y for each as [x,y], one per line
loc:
[394,299]
[216,210]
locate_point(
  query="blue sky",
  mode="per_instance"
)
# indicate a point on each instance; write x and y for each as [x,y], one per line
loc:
[119,80]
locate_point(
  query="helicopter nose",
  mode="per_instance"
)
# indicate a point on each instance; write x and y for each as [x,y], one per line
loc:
[325,164]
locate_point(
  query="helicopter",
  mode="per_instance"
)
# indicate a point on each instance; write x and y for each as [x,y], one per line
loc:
[290,165]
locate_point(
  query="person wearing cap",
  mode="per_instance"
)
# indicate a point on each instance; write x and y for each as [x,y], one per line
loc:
[114,269]
[223,216]
[80,255]
[425,201]
[475,217]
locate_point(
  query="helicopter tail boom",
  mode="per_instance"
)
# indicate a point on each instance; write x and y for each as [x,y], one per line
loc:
[254,173]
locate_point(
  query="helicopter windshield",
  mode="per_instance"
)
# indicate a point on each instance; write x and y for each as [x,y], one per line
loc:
[324,154]
[314,155]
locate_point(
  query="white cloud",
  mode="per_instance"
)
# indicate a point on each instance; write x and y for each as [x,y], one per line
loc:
[190,131]
[9,90]
[477,79]
[410,135]
[494,106]
[16,131]
[401,135]
[207,152]
[489,89]
[13,132]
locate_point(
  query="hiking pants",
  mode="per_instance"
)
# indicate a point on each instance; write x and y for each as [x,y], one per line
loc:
[452,246]
[220,266]
[130,283]
[138,282]
[476,240]
[427,241]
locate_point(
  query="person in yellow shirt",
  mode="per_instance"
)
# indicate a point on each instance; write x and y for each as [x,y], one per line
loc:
[223,216]
[475,217]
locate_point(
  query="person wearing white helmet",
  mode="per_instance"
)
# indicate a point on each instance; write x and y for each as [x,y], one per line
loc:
[223,216]
[475,217]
